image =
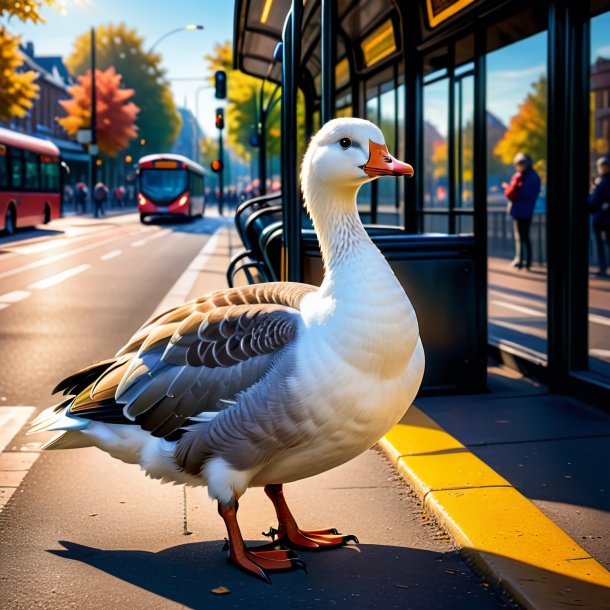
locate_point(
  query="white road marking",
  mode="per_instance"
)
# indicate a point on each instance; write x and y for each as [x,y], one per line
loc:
[59,277]
[111,254]
[526,310]
[59,257]
[603,320]
[11,421]
[14,465]
[15,296]
[142,242]
[179,292]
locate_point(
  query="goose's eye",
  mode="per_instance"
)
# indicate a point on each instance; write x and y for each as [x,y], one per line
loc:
[345,143]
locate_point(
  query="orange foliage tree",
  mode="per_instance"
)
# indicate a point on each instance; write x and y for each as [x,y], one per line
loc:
[115,115]
[527,131]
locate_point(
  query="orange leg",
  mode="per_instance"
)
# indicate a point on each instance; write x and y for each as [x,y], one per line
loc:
[254,560]
[289,533]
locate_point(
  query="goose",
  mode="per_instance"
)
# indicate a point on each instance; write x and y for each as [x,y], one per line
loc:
[266,384]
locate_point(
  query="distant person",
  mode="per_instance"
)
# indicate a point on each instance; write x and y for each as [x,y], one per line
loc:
[522,193]
[81,192]
[599,206]
[119,196]
[100,196]
[68,194]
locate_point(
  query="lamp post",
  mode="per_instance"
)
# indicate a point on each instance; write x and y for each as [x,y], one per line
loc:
[189,27]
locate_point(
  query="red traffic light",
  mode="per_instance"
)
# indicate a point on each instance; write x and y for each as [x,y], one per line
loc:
[220,119]
[217,165]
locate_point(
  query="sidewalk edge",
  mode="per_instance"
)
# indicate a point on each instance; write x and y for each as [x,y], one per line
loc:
[497,529]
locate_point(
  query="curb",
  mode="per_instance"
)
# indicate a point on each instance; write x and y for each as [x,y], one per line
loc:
[504,535]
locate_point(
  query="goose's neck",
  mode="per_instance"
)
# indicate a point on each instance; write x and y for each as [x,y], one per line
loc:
[343,239]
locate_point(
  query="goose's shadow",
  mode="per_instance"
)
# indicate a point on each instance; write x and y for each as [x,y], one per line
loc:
[367,576]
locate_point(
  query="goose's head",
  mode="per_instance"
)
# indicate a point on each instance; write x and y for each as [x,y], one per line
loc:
[345,154]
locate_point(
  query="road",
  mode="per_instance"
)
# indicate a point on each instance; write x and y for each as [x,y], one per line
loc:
[83,530]
[517,309]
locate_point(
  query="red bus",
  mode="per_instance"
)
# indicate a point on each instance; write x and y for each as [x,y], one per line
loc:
[170,185]
[30,184]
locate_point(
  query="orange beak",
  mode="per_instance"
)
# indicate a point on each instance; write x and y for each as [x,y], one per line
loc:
[382,163]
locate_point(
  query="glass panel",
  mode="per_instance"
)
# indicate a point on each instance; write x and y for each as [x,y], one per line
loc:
[379,44]
[464,141]
[516,126]
[436,223]
[436,126]
[365,193]
[400,150]
[386,188]
[599,201]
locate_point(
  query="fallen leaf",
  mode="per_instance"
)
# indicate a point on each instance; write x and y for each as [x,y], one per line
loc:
[221,591]
[94,514]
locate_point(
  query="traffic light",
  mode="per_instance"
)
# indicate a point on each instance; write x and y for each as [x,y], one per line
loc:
[220,118]
[220,82]
[217,166]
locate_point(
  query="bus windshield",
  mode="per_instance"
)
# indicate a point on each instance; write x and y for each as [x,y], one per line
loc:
[162,185]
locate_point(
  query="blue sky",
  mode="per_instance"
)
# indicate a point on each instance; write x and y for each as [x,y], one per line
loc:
[182,53]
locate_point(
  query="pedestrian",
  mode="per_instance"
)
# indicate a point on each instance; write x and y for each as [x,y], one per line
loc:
[100,196]
[522,193]
[81,193]
[599,206]
[119,196]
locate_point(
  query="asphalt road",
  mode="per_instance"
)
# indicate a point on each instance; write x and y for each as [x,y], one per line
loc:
[86,531]
[517,308]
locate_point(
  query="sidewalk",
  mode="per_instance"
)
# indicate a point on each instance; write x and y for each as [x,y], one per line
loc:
[518,477]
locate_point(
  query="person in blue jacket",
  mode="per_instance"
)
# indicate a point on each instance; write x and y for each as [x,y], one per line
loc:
[522,193]
[599,206]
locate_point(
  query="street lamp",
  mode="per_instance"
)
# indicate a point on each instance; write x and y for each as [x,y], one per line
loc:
[184,27]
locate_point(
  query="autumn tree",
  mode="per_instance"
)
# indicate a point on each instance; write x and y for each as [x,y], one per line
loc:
[119,46]
[17,87]
[115,115]
[527,130]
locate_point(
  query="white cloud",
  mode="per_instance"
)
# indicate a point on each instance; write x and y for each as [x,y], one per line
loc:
[603,52]
[532,71]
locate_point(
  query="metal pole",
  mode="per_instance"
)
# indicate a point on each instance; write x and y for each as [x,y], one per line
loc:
[290,187]
[220,173]
[262,140]
[329,12]
[93,122]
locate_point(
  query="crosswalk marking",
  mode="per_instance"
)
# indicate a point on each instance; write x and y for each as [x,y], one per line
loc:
[59,277]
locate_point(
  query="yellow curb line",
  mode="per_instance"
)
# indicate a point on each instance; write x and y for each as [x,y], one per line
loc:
[504,535]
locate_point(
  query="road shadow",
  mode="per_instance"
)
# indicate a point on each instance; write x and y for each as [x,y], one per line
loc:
[367,576]
[27,233]
[203,226]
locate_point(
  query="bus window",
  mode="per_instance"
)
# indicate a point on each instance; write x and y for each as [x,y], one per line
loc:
[16,169]
[3,167]
[49,173]
[31,171]
[163,185]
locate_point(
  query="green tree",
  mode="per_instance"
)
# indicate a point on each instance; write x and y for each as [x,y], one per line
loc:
[121,47]
[527,130]
[242,111]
